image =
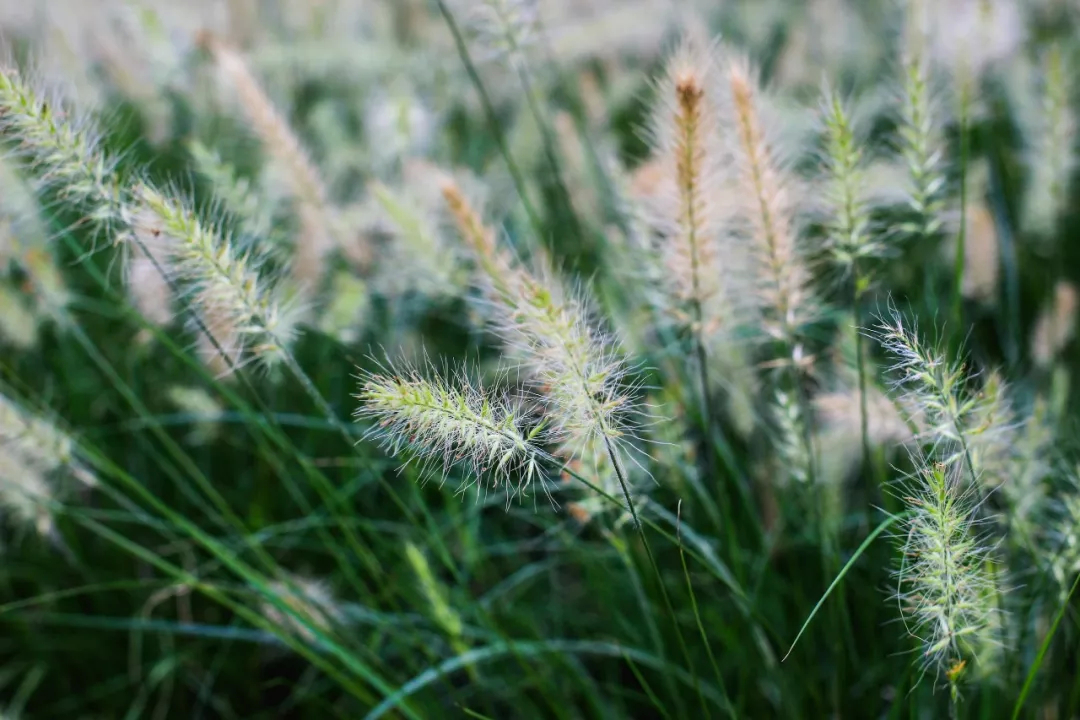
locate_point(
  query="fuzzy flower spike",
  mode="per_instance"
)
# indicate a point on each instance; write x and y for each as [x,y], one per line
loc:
[850,238]
[920,133]
[685,211]
[32,450]
[445,424]
[65,155]
[576,367]
[243,311]
[960,424]
[782,279]
[943,589]
[293,165]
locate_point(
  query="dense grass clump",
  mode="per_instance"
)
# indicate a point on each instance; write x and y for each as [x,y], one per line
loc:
[535,358]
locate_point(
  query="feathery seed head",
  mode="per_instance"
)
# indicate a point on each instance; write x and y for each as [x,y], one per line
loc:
[546,327]
[35,439]
[961,424]
[687,172]
[222,283]
[925,378]
[575,365]
[64,155]
[850,236]
[445,425]
[31,450]
[945,594]
[920,144]
[782,290]
[293,167]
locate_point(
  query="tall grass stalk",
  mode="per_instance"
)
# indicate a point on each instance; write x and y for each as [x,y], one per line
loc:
[491,117]
[961,234]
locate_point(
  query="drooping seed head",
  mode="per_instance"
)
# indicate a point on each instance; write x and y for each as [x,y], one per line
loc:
[444,425]
[223,284]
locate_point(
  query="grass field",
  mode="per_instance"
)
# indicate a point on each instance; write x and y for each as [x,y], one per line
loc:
[539,358]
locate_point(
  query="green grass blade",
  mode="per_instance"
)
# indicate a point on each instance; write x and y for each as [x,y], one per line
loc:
[1043,650]
[885,524]
[531,649]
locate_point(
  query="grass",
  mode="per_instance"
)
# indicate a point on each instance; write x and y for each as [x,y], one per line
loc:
[726,403]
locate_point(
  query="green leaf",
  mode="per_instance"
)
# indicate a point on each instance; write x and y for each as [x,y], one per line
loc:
[847,566]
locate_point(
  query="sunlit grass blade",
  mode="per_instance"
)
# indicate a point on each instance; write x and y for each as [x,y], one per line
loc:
[882,527]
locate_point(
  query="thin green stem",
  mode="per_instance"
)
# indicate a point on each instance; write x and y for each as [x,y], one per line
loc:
[324,407]
[860,364]
[961,235]
[697,616]
[491,117]
[655,567]
[1043,649]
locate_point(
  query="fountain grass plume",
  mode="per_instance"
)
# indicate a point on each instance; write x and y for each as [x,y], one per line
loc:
[445,424]
[65,154]
[768,206]
[163,233]
[295,168]
[920,142]
[32,450]
[959,419]
[575,366]
[686,210]
[846,207]
[222,283]
[943,589]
